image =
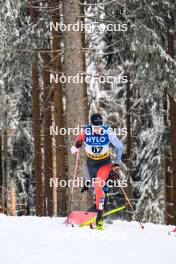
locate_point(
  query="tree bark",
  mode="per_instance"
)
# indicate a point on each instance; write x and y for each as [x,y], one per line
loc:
[167,163]
[170,164]
[13,200]
[173,131]
[73,64]
[129,138]
[5,168]
[36,127]
[86,104]
[48,150]
[59,117]
[1,171]
[1,176]
[86,101]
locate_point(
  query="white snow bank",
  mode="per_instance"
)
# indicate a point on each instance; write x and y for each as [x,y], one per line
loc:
[34,240]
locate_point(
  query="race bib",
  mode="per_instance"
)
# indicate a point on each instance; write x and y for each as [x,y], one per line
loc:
[96,145]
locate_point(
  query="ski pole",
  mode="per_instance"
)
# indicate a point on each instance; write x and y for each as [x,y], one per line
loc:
[130,204]
[72,189]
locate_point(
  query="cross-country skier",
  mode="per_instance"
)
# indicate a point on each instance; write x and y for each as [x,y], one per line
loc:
[96,138]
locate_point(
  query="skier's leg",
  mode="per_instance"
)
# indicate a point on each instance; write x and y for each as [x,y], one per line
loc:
[100,180]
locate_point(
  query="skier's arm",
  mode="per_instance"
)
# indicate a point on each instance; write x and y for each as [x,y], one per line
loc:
[118,146]
[78,142]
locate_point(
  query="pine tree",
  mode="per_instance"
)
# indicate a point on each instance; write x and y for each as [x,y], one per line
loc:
[73,64]
[171,213]
[1,172]
[58,112]
[37,126]
[129,131]
[48,151]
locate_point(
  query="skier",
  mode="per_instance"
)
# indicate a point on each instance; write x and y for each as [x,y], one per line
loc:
[97,138]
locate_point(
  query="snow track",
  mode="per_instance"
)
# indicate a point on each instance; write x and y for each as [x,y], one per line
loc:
[34,240]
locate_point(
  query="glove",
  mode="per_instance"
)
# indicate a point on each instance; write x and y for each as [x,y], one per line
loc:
[114,173]
[78,144]
[74,150]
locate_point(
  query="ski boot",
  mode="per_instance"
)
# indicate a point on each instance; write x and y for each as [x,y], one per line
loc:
[99,220]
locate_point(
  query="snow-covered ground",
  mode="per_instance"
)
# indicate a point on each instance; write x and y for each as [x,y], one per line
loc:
[34,240]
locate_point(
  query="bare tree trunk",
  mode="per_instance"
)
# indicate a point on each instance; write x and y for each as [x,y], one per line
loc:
[173,146]
[13,200]
[129,138]
[86,104]
[170,180]
[167,165]
[73,64]
[1,172]
[6,168]
[173,132]
[48,151]
[58,116]
[36,128]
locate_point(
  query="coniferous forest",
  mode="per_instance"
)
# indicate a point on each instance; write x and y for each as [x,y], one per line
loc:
[61,61]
